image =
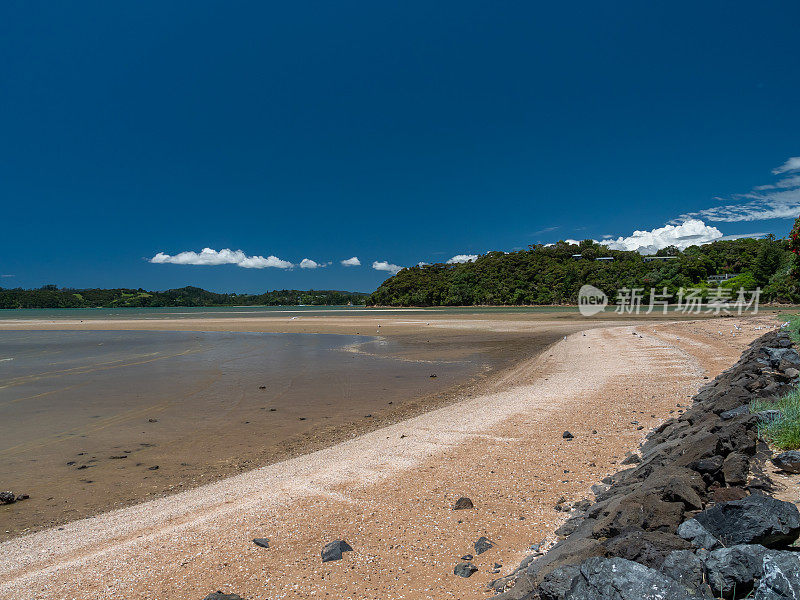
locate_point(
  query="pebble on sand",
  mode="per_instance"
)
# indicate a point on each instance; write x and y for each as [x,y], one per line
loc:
[463,503]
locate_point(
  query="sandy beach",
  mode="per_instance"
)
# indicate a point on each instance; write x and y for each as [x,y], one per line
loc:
[389,492]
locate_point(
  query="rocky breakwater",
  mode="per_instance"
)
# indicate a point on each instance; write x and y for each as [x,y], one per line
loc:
[694,517]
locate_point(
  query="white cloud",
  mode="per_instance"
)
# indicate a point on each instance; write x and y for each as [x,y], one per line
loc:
[779,200]
[307,263]
[422,264]
[352,262]
[386,266]
[793,164]
[686,234]
[226,256]
[462,258]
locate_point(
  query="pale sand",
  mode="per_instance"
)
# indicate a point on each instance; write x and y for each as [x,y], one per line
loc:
[389,492]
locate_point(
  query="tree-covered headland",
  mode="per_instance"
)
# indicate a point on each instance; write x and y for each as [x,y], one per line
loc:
[553,274]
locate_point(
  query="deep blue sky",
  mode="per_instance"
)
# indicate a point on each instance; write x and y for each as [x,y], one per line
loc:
[405,132]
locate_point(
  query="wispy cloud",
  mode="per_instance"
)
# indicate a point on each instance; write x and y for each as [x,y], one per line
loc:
[382,265]
[4,276]
[545,230]
[793,164]
[226,256]
[307,263]
[688,233]
[462,258]
[351,262]
[779,200]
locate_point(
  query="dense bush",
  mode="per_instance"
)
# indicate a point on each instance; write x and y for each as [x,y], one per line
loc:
[551,274]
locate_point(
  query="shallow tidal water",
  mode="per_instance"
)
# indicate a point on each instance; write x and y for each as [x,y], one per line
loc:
[94,419]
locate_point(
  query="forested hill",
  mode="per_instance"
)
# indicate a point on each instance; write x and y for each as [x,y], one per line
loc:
[50,296]
[552,275]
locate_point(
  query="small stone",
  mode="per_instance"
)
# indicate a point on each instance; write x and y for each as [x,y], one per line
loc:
[463,503]
[152,420]
[787,461]
[118,457]
[218,595]
[7,498]
[467,557]
[261,542]
[791,372]
[153,468]
[567,435]
[262,387]
[482,545]
[465,569]
[433,375]
[22,497]
[334,550]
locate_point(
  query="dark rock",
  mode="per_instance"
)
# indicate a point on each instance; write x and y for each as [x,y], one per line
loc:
[736,468]
[482,545]
[788,461]
[687,568]
[556,584]
[781,577]
[631,459]
[735,412]
[620,579]
[728,494]
[22,497]
[734,568]
[709,465]
[573,550]
[153,468]
[693,532]
[7,498]
[757,519]
[152,420]
[223,596]
[649,548]
[567,435]
[792,373]
[465,569]
[463,503]
[334,550]
[262,542]
[467,557]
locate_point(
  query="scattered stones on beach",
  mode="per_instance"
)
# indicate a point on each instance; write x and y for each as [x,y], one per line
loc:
[333,550]
[465,569]
[261,542]
[463,503]
[788,461]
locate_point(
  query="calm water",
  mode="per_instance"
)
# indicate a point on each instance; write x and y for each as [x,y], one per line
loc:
[244,311]
[91,419]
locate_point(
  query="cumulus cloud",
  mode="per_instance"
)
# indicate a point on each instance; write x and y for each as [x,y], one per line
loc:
[307,263]
[352,262]
[462,258]
[779,200]
[793,164]
[226,256]
[382,265]
[688,233]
